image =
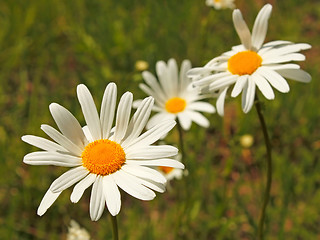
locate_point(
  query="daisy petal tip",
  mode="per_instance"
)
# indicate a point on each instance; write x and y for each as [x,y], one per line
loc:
[308,78]
[81,87]
[180,165]
[114,213]
[53,105]
[307,46]
[112,84]
[268,6]
[41,210]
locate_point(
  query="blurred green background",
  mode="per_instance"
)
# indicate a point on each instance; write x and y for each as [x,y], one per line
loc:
[48,47]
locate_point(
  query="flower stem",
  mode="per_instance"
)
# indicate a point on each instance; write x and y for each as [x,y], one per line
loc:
[181,145]
[114,227]
[269,169]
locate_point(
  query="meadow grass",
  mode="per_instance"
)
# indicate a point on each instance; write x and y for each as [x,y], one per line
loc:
[48,47]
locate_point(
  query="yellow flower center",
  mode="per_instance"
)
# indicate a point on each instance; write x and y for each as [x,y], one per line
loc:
[103,157]
[175,105]
[243,63]
[166,170]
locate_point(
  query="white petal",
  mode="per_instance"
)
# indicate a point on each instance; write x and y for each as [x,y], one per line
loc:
[202,107]
[97,200]
[283,58]
[173,75]
[248,95]
[263,86]
[150,183]
[46,202]
[42,143]
[153,134]
[205,81]
[107,110]
[139,119]
[151,80]
[198,118]
[111,194]
[184,121]
[62,140]
[68,179]
[159,187]
[144,172]
[123,115]
[223,82]
[151,152]
[220,101]
[260,27]
[81,186]
[164,79]
[284,50]
[158,97]
[159,117]
[159,162]
[295,74]
[184,80]
[275,79]
[136,103]
[242,29]
[195,72]
[68,124]
[240,83]
[276,43]
[87,133]
[89,111]
[51,158]
[130,185]
[282,66]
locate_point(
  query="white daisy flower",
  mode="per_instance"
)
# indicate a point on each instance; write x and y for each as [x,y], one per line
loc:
[174,95]
[220,4]
[123,158]
[252,64]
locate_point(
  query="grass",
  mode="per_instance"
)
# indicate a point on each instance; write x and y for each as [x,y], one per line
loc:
[48,47]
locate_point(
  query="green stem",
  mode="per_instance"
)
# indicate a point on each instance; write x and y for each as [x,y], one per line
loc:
[114,227]
[184,199]
[181,146]
[269,170]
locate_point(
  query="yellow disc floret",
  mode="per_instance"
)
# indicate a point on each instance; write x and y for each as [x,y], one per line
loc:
[175,105]
[245,62]
[103,157]
[166,170]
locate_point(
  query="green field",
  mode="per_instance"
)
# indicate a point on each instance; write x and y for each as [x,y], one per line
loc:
[48,47]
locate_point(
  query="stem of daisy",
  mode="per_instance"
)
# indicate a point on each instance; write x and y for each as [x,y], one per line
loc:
[181,146]
[269,169]
[114,227]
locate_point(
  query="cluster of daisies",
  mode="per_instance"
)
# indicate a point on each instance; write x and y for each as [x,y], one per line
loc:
[114,150]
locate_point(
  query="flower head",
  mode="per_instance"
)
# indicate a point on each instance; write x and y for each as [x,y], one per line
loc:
[220,4]
[108,160]
[252,64]
[174,95]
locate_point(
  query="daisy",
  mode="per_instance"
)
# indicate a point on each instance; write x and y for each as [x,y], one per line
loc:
[220,4]
[252,64]
[174,95]
[106,159]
